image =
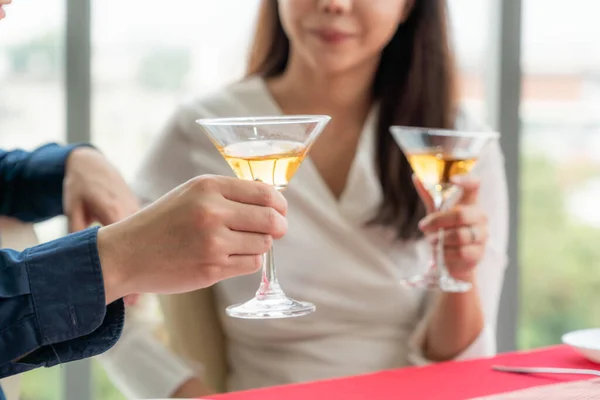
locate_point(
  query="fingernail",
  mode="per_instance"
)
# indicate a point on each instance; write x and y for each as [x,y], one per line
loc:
[423,223]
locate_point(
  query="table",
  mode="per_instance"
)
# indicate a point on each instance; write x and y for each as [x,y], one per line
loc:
[443,381]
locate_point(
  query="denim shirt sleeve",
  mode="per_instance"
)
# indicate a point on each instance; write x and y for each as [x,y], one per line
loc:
[31,183]
[52,305]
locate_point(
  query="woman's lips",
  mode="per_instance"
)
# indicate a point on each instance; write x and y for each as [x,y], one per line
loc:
[331,36]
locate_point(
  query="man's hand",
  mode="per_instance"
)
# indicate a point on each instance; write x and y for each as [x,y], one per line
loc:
[94,191]
[208,229]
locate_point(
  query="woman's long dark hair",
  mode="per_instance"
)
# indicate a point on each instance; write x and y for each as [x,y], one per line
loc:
[414,86]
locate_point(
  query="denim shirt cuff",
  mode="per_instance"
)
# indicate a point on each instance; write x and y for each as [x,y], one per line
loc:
[67,287]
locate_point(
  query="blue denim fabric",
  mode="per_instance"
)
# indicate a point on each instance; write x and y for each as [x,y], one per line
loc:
[52,304]
[31,183]
[53,310]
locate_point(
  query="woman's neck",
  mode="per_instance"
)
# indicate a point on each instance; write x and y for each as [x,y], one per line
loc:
[303,89]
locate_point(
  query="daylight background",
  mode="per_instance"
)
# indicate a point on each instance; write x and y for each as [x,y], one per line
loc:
[148,55]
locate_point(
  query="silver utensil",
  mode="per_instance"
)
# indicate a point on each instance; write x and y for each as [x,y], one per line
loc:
[543,370]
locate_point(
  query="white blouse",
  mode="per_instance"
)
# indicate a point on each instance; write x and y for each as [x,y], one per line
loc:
[366,320]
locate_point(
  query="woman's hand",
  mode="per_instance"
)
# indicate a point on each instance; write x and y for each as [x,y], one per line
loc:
[465,228]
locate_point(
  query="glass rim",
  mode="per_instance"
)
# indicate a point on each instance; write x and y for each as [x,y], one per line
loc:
[263,120]
[444,132]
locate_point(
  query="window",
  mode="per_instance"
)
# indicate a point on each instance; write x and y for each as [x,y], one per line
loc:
[142,69]
[148,56]
[560,170]
[469,21]
[32,112]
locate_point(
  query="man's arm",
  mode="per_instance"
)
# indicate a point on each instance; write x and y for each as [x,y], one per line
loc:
[31,183]
[53,297]
[52,305]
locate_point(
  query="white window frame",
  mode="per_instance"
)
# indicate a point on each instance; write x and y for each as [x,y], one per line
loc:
[503,98]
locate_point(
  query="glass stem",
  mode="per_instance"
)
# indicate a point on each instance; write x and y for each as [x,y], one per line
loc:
[440,264]
[269,286]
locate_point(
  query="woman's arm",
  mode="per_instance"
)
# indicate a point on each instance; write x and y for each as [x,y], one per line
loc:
[463,325]
[456,321]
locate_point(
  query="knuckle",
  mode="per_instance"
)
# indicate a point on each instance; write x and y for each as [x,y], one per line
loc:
[266,195]
[205,183]
[207,215]
[214,247]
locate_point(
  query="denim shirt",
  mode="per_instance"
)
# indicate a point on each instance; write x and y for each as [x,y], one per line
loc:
[52,304]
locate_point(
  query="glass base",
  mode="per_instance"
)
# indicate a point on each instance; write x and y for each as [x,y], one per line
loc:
[433,280]
[270,308]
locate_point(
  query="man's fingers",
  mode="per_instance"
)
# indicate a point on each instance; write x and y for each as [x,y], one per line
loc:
[242,265]
[244,243]
[251,218]
[109,212]
[256,193]
[131,299]
[105,214]
[77,219]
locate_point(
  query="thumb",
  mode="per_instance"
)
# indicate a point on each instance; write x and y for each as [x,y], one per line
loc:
[131,299]
[423,194]
[77,218]
[469,186]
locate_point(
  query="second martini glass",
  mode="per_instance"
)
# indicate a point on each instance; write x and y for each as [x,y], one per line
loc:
[437,155]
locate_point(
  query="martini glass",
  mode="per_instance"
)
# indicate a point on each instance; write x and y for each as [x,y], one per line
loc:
[437,155]
[269,150]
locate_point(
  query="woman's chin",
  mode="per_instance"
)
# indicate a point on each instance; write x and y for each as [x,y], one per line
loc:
[339,64]
[327,66]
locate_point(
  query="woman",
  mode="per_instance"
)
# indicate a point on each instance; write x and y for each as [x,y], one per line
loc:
[356,221]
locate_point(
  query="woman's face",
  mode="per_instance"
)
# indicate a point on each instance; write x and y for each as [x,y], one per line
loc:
[337,35]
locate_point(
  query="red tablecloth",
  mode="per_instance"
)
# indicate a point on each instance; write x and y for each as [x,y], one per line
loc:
[444,381]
